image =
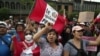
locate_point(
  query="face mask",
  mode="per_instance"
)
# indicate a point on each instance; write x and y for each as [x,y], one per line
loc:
[28,37]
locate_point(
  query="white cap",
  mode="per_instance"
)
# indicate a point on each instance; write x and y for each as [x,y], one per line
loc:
[3,24]
[82,23]
[76,28]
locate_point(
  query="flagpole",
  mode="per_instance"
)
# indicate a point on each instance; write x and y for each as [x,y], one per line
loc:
[64,14]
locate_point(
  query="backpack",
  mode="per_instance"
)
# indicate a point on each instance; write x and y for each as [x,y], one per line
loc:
[80,52]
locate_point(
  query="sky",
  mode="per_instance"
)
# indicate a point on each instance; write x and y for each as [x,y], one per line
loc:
[94,0]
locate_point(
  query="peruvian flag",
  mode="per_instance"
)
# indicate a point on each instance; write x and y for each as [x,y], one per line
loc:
[43,13]
[97,19]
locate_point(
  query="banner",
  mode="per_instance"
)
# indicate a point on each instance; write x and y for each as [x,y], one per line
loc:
[90,48]
[50,15]
[43,13]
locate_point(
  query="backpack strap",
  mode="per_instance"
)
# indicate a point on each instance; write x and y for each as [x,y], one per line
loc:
[82,44]
[83,48]
[73,46]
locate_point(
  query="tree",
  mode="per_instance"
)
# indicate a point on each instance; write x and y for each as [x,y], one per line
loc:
[4,13]
[23,4]
[96,13]
[73,16]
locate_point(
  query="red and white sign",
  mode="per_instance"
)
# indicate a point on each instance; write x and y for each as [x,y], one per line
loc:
[43,13]
[50,15]
[90,48]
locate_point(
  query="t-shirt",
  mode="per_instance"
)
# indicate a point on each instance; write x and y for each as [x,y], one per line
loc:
[47,50]
[31,50]
[4,49]
[72,51]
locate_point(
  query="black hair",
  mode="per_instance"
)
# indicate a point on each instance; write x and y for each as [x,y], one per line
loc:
[28,30]
[18,25]
[56,41]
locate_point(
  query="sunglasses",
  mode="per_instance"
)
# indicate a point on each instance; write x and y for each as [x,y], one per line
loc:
[28,33]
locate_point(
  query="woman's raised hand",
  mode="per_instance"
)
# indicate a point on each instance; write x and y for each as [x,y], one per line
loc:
[49,25]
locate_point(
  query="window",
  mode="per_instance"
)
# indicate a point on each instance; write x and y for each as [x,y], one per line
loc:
[28,6]
[75,6]
[7,4]
[12,5]
[23,7]
[17,5]
[66,8]
[59,7]
[1,4]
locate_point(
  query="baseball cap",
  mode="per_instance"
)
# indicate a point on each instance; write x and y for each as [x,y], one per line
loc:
[82,23]
[19,23]
[77,28]
[3,24]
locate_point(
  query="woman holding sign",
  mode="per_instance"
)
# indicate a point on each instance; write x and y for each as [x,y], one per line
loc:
[49,45]
[77,46]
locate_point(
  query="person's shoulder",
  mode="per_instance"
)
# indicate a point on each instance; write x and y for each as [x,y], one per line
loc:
[69,41]
[8,35]
[60,43]
[67,44]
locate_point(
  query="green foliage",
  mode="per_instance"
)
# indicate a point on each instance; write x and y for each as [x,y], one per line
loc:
[61,12]
[53,4]
[4,13]
[73,15]
[96,12]
[26,1]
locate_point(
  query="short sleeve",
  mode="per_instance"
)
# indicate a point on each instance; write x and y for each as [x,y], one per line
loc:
[67,47]
[86,42]
[42,42]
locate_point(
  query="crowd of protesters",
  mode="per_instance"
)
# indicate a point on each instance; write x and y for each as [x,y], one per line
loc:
[33,39]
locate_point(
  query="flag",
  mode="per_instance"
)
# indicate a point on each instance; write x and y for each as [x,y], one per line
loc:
[19,48]
[43,13]
[97,19]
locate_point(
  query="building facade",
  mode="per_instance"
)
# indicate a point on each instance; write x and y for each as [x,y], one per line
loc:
[19,10]
[77,5]
[87,6]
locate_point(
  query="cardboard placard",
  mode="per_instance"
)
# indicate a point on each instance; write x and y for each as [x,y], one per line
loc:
[86,16]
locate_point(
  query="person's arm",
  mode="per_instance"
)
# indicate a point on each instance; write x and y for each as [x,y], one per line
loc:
[67,50]
[97,42]
[11,47]
[37,36]
[66,53]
